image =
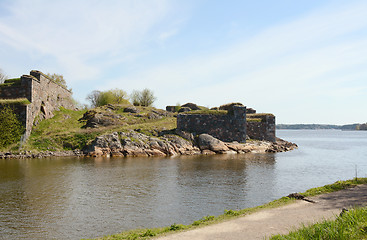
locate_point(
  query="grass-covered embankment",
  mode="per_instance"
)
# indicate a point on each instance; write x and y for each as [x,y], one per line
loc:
[230,214]
[65,131]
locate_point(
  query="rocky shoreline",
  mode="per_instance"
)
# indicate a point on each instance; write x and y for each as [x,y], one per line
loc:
[136,144]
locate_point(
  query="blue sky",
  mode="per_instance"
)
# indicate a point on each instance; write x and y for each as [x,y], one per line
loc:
[304,61]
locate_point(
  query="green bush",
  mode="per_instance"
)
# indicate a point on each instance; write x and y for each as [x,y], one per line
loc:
[11,129]
[101,98]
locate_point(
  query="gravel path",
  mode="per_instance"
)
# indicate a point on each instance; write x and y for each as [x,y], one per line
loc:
[263,224]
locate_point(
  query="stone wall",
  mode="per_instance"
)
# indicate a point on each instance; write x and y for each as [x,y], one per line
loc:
[44,95]
[19,89]
[261,127]
[229,127]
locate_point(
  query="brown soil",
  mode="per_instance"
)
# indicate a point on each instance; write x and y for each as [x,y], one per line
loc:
[265,223]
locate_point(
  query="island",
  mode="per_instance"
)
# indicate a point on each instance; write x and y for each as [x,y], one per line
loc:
[53,126]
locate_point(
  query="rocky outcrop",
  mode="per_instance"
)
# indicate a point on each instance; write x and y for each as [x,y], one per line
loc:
[207,142]
[135,144]
[94,119]
[281,146]
[131,109]
[192,106]
[184,109]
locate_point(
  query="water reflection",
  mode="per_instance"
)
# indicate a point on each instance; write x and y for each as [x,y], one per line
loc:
[71,198]
[75,198]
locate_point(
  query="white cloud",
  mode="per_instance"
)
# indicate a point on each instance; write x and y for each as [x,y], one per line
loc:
[285,67]
[290,61]
[77,32]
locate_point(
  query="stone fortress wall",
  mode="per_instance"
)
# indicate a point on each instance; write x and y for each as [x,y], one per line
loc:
[226,127]
[236,126]
[44,96]
[261,129]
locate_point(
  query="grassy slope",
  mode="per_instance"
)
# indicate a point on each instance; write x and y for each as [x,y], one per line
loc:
[230,214]
[65,132]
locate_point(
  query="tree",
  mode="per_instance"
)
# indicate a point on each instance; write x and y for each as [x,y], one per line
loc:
[57,78]
[11,129]
[93,98]
[120,96]
[144,98]
[114,96]
[3,76]
[135,98]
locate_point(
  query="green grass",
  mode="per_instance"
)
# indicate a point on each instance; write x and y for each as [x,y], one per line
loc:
[62,132]
[257,116]
[207,112]
[253,119]
[352,225]
[208,220]
[65,132]
[339,185]
[231,214]
[11,82]
[21,101]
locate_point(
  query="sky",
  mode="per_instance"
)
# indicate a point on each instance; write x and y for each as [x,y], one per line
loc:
[304,61]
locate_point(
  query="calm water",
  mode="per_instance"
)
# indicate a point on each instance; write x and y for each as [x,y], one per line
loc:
[71,198]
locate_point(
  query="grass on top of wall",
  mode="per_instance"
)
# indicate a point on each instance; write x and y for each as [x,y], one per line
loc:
[20,101]
[207,112]
[253,119]
[11,82]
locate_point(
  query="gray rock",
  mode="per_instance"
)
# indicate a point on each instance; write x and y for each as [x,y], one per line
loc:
[184,109]
[153,115]
[113,140]
[207,142]
[171,108]
[192,106]
[131,109]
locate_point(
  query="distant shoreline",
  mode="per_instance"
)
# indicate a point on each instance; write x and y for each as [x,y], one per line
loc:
[349,127]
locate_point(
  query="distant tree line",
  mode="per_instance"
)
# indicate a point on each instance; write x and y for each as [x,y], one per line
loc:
[321,126]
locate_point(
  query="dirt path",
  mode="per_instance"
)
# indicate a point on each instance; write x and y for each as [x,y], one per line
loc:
[265,223]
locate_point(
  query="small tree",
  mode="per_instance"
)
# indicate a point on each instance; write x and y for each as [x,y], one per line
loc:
[144,98]
[135,98]
[105,98]
[120,96]
[93,97]
[147,98]
[3,76]
[11,129]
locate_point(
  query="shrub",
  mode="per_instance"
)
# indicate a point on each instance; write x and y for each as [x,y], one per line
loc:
[144,98]
[101,98]
[11,129]
[175,227]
